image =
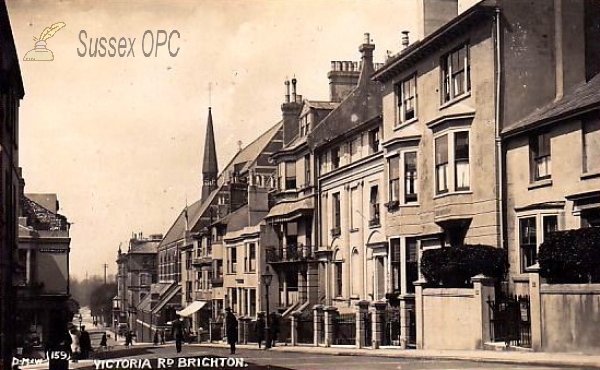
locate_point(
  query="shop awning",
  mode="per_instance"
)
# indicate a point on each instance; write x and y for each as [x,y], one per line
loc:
[192,308]
[289,211]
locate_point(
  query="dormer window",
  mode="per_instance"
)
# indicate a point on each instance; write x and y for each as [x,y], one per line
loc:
[374,140]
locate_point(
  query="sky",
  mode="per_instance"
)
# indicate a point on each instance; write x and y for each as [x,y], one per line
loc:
[120,139]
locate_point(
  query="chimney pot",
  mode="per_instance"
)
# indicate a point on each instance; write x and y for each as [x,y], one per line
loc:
[405,40]
[367,38]
[333,66]
[294,90]
[287,91]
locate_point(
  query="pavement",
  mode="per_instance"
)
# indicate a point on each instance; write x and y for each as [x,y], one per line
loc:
[144,350]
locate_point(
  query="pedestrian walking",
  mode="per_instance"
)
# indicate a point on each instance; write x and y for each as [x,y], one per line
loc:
[232,329]
[162,337]
[260,328]
[103,342]
[85,343]
[128,339]
[75,349]
[274,326]
[155,340]
[177,331]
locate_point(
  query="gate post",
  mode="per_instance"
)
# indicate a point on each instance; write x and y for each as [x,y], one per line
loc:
[377,319]
[329,315]
[363,309]
[317,320]
[483,288]
[419,312]
[294,327]
[535,307]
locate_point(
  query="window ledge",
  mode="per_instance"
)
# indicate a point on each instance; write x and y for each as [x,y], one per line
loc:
[455,100]
[403,124]
[590,175]
[540,184]
[451,193]
[355,230]
[409,205]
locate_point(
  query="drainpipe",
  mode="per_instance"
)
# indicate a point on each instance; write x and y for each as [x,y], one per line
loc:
[498,126]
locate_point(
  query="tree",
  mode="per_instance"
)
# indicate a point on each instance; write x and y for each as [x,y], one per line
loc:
[101,298]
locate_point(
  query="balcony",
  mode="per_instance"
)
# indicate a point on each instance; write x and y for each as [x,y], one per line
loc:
[202,261]
[217,282]
[289,253]
[203,295]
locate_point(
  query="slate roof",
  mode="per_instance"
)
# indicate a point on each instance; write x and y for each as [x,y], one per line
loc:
[144,247]
[194,212]
[241,161]
[362,105]
[249,154]
[582,99]
[40,217]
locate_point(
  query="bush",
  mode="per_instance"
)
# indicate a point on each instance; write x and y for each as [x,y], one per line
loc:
[571,257]
[455,266]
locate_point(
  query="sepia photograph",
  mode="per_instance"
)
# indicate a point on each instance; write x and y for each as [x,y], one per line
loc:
[300,185]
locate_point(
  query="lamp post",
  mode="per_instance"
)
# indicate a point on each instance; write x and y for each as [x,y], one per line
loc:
[80,320]
[266,279]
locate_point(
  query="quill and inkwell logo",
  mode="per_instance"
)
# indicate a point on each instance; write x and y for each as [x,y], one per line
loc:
[40,52]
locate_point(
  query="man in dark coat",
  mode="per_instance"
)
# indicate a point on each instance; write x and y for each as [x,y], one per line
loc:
[177,332]
[260,328]
[274,325]
[232,329]
[85,343]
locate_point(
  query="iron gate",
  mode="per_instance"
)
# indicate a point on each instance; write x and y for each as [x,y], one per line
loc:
[216,331]
[321,328]
[510,320]
[344,329]
[368,325]
[305,327]
[391,327]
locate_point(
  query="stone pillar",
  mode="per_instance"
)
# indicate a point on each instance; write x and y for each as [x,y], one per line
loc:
[294,327]
[404,323]
[419,312]
[318,319]
[363,309]
[483,288]
[244,330]
[330,313]
[378,323]
[535,307]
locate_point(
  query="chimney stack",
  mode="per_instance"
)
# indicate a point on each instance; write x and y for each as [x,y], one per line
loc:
[434,14]
[405,40]
[290,111]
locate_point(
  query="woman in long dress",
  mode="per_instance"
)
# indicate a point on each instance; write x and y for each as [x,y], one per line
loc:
[75,348]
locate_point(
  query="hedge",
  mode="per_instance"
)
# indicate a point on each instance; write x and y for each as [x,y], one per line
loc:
[571,257]
[454,267]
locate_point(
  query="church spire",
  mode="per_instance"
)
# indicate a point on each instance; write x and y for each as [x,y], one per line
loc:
[210,168]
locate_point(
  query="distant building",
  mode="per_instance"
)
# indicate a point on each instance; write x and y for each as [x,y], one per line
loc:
[292,217]
[42,278]
[11,92]
[352,244]
[137,272]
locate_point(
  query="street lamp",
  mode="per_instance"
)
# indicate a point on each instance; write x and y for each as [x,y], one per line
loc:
[80,320]
[266,279]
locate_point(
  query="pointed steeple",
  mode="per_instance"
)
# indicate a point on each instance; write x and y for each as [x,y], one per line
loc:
[210,168]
